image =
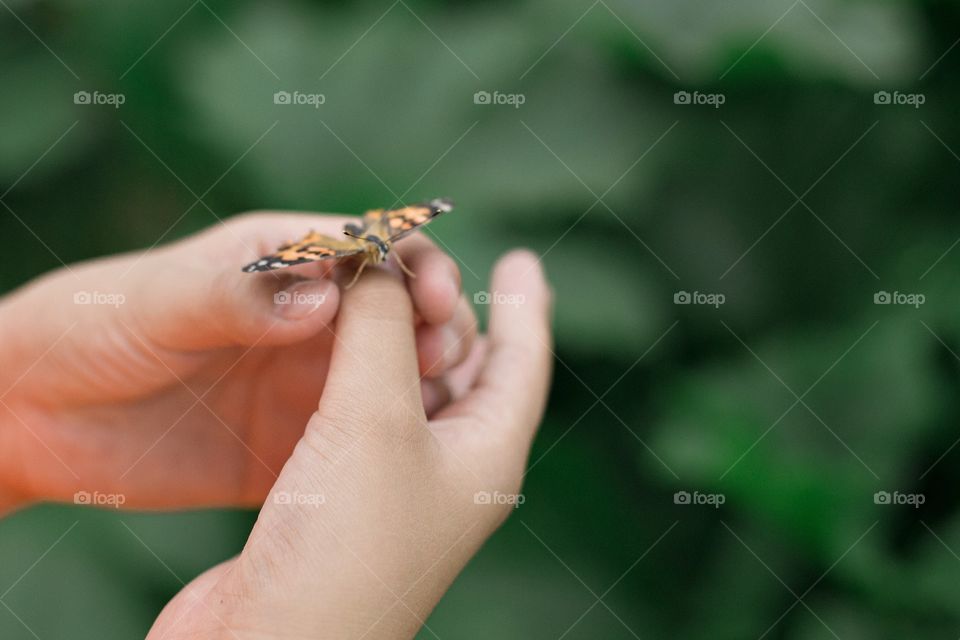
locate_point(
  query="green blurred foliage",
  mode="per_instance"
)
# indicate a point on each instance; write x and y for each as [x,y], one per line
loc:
[630,198]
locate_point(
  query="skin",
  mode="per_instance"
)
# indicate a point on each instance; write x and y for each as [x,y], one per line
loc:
[191,326]
[378,410]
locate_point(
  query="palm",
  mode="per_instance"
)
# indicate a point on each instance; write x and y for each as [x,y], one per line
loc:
[217,434]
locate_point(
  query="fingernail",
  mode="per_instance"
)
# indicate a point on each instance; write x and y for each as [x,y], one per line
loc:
[300,299]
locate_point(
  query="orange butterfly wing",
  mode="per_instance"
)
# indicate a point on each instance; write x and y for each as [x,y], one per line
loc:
[389,226]
[394,224]
[314,246]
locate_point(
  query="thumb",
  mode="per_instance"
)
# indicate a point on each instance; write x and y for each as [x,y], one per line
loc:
[511,392]
[121,326]
[198,307]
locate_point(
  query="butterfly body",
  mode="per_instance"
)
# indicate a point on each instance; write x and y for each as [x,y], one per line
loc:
[372,238]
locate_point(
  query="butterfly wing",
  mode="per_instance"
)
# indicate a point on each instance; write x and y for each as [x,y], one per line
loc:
[361,228]
[314,246]
[396,223]
[389,226]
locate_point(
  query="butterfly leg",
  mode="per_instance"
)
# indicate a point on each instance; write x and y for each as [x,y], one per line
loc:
[356,276]
[402,266]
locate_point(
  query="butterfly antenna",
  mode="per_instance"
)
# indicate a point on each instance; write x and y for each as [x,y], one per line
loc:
[402,266]
[356,276]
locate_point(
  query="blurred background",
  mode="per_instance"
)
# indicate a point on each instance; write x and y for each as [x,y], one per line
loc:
[748,211]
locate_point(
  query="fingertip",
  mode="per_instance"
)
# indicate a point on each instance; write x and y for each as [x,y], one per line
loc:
[305,305]
[302,299]
[520,257]
[520,275]
[520,308]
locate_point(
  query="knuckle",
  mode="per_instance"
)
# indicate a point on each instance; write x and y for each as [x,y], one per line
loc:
[328,439]
[344,419]
[342,413]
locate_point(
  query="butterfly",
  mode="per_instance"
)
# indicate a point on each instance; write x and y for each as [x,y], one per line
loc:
[373,237]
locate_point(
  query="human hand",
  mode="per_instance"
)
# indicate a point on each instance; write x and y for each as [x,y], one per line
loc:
[180,381]
[376,511]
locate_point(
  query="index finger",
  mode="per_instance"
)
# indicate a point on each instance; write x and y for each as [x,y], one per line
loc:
[373,376]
